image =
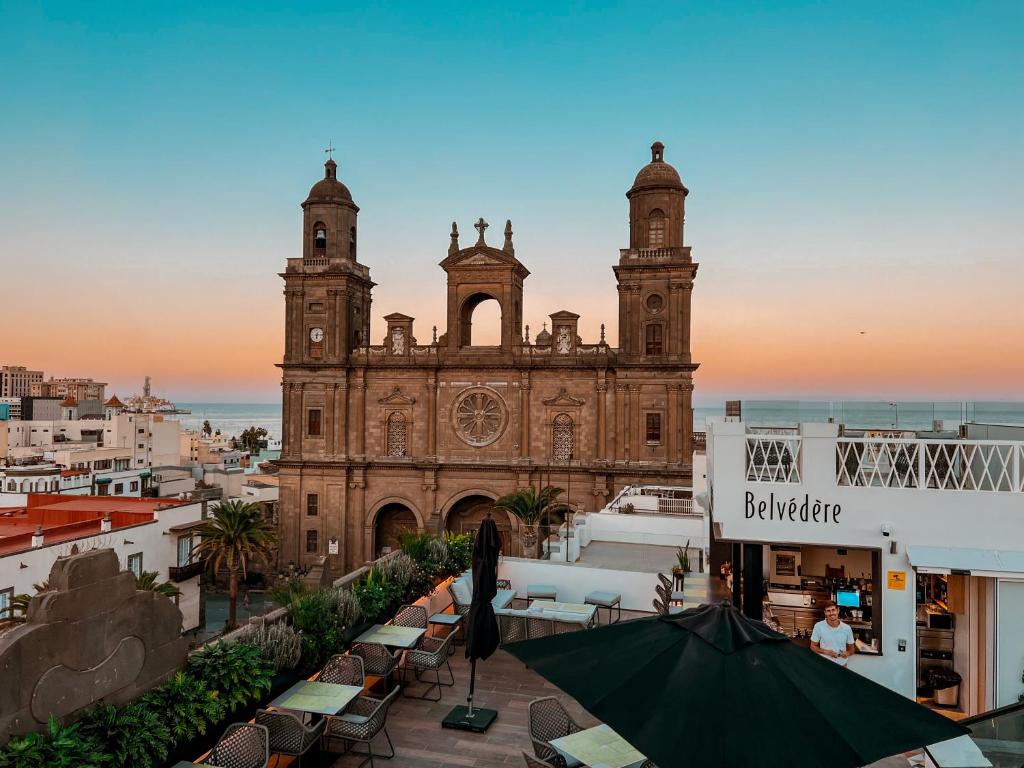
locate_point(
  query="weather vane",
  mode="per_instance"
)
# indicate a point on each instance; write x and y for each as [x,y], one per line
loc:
[330,150]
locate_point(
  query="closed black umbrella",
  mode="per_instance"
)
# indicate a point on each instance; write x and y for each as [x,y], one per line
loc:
[482,636]
[710,687]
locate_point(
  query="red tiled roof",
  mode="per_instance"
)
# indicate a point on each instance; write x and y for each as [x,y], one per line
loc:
[69,402]
[113,402]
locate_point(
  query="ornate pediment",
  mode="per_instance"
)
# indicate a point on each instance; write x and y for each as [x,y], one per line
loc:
[483,256]
[563,398]
[397,397]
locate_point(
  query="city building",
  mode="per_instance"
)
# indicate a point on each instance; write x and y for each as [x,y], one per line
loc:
[147,535]
[17,380]
[919,537]
[79,389]
[425,435]
[81,470]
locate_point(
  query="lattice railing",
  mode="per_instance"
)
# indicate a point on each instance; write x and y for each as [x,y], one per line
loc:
[949,465]
[773,458]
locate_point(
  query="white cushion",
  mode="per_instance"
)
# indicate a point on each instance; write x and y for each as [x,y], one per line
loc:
[462,591]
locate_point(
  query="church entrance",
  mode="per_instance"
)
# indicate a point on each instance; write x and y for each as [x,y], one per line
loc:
[466,514]
[392,520]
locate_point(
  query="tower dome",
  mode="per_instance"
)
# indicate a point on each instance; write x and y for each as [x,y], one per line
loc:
[657,173]
[329,189]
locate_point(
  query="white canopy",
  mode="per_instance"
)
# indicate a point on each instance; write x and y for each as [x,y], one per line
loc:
[972,562]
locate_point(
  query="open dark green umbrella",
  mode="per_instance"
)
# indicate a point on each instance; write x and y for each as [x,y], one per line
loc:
[482,635]
[709,687]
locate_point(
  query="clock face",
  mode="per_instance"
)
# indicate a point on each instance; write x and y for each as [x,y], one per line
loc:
[316,335]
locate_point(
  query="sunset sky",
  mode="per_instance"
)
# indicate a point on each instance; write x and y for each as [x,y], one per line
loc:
[855,172]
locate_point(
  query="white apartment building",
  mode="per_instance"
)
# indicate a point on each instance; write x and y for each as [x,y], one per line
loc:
[17,380]
[919,540]
[147,535]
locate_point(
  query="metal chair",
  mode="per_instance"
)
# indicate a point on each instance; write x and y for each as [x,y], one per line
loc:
[666,610]
[363,719]
[288,735]
[675,596]
[243,745]
[411,616]
[430,653]
[377,659]
[549,720]
[343,669]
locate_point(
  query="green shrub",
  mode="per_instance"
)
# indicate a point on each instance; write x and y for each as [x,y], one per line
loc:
[238,672]
[280,645]
[187,705]
[56,747]
[315,615]
[349,609]
[284,593]
[377,594]
[397,570]
[134,736]
[460,553]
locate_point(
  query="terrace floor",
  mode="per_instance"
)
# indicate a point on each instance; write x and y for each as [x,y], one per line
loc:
[503,683]
[617,556]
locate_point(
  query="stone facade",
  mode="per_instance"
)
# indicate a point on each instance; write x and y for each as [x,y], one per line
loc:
[404,434]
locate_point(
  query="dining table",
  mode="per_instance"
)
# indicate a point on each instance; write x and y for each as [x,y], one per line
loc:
[316,698]
[392,636]
[598,747]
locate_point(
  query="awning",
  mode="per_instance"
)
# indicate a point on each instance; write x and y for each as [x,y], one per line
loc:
[103,480]
[145,473]
[968,562]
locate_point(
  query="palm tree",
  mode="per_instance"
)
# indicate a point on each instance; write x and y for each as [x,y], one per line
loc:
[235,533]
[148,583]
[530,507]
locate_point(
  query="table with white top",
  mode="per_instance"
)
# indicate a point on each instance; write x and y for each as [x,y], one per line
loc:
[584,610]
[392,636]
[598,747]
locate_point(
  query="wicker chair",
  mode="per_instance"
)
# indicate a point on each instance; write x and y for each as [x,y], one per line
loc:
[512,627]
[411,616]
[549,720]
[538,626]
[243,745]
[288,736]
[430,654]
[362,720]
[343,669]
[377,659]
[666,610]
[504,584]
[533,762]
[460,608]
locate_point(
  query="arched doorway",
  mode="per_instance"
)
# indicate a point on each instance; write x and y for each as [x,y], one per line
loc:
[480,327]
[466,513]
[392,520]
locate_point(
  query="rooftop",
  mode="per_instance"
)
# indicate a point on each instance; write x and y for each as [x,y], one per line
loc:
[63,518]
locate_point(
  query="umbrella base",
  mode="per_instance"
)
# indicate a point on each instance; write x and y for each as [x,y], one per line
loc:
[459,719]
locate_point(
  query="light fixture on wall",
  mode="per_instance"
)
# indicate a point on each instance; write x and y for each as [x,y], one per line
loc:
[126,542]
[894,547]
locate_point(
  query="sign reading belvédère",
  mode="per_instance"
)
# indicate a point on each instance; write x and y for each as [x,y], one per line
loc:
[794,509]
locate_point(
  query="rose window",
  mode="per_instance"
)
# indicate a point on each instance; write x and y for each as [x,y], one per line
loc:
[479,417]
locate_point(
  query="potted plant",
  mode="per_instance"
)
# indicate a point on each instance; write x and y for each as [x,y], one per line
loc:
[530,507]
[683,558]
[627,508]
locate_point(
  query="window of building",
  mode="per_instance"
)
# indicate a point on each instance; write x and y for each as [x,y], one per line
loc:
[352,243]
[656,229]
[184,551]
[141,446]
[563,437]
[313,422]
[396,435]
[142,431]
[653,429]
[134,486]
[312,504]
[311,542]
[103,489]
[6,596]
[135,564]
[118,489]
[653,339]
[320,235]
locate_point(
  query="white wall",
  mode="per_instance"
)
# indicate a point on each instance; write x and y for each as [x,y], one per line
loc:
[918,516]
[575,580]
[663,530]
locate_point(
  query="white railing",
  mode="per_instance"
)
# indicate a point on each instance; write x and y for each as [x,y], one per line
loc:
[773,458]
[947,465]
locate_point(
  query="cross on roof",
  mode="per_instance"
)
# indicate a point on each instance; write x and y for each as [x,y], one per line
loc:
[481,225]
[330,150]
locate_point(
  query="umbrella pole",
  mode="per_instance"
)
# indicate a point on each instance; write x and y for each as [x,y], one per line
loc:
[472,685]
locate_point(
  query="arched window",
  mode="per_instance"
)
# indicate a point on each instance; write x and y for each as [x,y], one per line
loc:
[320,235]
[352,243]
[653,339]
[396,435]
[563,437]
[656,229]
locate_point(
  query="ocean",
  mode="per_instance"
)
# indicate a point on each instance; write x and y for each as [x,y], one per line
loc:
[232,418]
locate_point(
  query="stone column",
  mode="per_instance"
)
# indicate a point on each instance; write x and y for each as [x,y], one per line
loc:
[672,438]
[287,446]
[676,321]
[330,424]
[634,421]
[600,394]
[621,413]
[432,416]
[360,406]
[685,299]
[341,420]
[344,331]
[297,427]
[524,416]
[686,417]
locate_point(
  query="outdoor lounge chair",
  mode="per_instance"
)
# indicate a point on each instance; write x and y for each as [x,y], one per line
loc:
[512,625]
[288,735]
[377,659]
[430,654]
[548,720]
[343,669]
[243,745]
[362,720]
[461,590]
[538,626]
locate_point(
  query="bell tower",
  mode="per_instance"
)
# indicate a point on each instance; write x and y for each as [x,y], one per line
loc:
[327,291]
[655,274]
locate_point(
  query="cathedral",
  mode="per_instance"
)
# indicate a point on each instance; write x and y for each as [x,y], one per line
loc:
[407,435]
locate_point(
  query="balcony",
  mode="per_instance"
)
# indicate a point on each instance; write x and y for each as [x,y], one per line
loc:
[185,572]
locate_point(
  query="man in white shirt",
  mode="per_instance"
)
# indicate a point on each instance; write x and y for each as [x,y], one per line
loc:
[833,638]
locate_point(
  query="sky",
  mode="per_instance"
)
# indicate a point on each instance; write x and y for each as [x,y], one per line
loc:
[855,175]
